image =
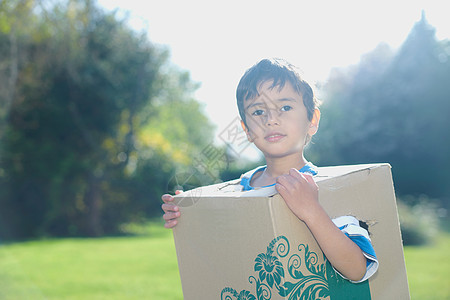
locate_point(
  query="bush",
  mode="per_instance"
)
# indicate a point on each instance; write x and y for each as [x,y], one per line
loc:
[419,219]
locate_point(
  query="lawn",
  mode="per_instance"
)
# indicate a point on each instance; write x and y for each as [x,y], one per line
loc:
[139,267]
[145,267]
[428,269]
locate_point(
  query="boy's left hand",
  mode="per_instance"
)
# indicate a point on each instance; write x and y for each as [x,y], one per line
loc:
[300,192]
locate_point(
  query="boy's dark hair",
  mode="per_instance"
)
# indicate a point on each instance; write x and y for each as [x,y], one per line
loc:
[279,71]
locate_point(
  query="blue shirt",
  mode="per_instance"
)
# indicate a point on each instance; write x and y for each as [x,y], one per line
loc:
[245,180]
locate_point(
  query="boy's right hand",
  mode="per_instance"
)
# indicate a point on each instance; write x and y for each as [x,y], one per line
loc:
[171,211]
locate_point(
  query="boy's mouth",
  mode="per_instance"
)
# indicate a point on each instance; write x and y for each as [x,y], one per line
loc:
[274,137]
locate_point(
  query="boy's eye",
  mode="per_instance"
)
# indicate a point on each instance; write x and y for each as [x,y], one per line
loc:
[286,108]
[258,112]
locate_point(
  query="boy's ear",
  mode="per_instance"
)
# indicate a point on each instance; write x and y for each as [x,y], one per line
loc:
[314,125]
[249,138]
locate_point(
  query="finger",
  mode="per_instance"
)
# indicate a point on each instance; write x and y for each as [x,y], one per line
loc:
[171,224]
[170,207]
[287,180]
[171,216]
[280,182]
[294,172]
[310,178]
[297,175]
[282,190]
[167,198]
[177,192]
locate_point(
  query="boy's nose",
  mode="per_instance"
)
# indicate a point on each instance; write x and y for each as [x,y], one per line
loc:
[272,117]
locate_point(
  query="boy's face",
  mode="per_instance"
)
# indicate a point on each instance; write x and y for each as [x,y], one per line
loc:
[277,121]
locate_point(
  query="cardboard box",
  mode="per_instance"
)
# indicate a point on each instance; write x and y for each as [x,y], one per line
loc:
[249,245]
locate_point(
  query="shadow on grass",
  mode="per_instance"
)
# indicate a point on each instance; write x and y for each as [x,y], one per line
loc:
[153,228]
[149,228]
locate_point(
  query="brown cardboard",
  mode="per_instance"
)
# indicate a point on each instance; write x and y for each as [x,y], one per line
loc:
[224,237]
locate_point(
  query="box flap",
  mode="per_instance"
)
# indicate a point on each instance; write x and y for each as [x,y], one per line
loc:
[232,188]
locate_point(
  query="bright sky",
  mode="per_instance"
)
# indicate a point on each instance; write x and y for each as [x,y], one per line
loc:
[216,41]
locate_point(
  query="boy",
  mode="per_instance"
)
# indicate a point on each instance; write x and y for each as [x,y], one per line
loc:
[279,115]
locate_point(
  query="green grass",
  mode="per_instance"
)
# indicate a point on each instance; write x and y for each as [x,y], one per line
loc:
[139,267]
[145,267]
[428,269]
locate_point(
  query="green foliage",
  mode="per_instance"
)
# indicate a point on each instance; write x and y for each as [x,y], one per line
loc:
[392,107]
[78,153]
[177,123]
[419,220]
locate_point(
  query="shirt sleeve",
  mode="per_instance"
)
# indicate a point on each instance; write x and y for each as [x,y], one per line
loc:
[350,227]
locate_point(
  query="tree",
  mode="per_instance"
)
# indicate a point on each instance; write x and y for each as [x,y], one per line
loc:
[72,143]
[392,107]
